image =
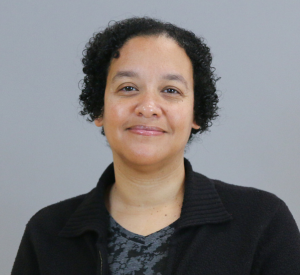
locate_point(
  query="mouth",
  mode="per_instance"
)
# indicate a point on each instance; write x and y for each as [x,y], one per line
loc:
[146,130]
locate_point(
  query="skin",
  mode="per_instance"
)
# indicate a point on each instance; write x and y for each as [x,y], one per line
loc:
[148,117]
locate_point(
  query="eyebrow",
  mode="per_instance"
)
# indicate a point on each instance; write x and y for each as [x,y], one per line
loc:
[176,77]
[121,74]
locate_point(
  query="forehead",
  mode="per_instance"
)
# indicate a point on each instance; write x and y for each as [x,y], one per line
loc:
[152,54]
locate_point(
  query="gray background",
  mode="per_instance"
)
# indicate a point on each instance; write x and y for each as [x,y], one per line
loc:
[49,153]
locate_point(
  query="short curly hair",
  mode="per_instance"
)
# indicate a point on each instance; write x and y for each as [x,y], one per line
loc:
[105,45]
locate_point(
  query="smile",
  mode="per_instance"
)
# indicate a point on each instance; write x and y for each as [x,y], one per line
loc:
[146,130]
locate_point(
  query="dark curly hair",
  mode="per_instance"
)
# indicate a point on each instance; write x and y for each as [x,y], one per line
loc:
[105,45]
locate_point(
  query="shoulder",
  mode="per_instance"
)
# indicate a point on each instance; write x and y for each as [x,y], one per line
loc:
[245,203]
[51,219]
[256,211]
[251,205]
[230,193]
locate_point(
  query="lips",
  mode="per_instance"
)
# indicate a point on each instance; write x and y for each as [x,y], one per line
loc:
[146,130]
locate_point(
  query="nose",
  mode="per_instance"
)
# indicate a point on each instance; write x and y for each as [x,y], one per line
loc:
[148,107]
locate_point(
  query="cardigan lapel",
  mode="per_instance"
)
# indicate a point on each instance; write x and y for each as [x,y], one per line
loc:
[201,205]
[91,215]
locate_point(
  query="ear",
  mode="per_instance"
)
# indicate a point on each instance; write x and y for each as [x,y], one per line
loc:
[99,121]
[195,126]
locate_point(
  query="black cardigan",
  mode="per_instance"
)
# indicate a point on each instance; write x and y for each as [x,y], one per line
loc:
[223,229]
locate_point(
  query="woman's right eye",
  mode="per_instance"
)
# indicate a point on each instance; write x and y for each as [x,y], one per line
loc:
[128,89]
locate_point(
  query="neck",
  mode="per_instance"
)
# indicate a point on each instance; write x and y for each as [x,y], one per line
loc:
[144,188]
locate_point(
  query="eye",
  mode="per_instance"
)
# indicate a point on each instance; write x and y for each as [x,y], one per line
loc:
[171,91]
[128,89]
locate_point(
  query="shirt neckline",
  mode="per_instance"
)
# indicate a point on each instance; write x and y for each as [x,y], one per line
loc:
[116,228]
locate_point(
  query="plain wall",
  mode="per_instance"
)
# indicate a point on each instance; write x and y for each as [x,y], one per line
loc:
[50,153]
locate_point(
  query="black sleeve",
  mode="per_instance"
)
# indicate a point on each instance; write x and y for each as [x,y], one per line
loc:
[26,261]
[279,248]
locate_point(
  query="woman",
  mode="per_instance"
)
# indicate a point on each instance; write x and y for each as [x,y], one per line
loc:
[151,88]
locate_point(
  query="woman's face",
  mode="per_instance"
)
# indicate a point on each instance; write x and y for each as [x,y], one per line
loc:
[148,102]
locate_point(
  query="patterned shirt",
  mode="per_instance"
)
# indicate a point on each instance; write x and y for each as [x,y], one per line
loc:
[133,254]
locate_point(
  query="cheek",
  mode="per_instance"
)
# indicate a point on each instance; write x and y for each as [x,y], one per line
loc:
[115,115]
[182,119]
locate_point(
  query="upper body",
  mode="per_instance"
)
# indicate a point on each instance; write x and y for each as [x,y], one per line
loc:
[223,229]
[151,87]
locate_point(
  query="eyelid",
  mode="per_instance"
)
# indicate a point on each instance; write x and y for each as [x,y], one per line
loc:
[172,88]
[127,86]
[124,85]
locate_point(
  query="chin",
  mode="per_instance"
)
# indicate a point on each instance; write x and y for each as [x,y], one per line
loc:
[140,154]
[145,157]
[147,154]
[143,152]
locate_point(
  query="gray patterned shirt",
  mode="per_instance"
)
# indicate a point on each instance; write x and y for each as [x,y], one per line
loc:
[133,254]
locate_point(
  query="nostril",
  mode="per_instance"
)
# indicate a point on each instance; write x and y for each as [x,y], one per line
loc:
[146,115]
[147,109]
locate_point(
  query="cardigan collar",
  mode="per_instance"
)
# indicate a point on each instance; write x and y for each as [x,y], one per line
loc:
[201,205]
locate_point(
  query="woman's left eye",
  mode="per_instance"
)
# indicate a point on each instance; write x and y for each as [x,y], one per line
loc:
[171,91]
